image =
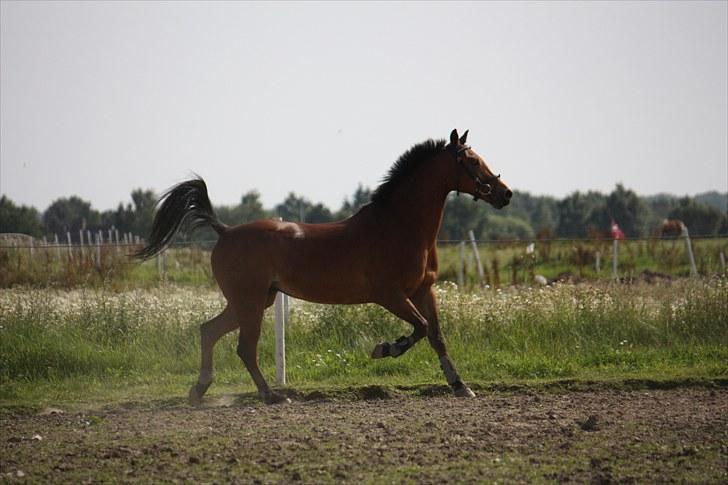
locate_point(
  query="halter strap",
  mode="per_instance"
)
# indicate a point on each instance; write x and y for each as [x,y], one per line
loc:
[482,186]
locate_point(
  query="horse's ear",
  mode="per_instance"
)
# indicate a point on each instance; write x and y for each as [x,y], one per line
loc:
[454,137]
[464,138]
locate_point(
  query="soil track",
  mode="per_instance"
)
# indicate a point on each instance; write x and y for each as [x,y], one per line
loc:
[597,436]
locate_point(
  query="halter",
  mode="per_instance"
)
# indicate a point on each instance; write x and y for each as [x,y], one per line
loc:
[482,187]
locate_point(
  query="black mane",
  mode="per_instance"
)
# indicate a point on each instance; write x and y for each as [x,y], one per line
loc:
[404,166]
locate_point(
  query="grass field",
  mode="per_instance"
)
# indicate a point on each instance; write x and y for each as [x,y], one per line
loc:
[88,345]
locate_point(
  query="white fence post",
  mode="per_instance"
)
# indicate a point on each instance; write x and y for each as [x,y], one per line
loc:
[691,259]
[461,266]
[597,262]
[615,256]
[280,329]
[481,274]
[722,261]
[70,245]
[99,239]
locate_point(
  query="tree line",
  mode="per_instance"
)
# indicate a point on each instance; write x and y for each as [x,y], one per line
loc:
[578,215]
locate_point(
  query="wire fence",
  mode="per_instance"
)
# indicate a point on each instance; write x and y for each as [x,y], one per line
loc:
[467,262]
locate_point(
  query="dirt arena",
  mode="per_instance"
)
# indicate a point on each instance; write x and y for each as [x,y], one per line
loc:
[382,436]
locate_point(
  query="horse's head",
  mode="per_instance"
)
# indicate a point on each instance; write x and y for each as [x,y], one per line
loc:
[473,175]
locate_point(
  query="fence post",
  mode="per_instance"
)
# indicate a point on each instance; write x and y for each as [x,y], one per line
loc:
[70,245]
[615,256]
[597,262]
[689,246]
[280,329]
[722,261]
[99,238]
[461,266]
[58,247]
[481,274]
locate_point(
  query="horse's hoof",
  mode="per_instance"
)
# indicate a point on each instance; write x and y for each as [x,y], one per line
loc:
[381,350]
[464,391]
[275,398]
[194,397]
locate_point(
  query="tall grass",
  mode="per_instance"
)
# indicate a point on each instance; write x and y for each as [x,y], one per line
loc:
[95,338]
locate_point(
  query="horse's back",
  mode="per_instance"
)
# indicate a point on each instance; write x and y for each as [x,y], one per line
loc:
[318,262]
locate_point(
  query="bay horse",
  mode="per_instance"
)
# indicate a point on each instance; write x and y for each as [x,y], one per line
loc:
[386,253]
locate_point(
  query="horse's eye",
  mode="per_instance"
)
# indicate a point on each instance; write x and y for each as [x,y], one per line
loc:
[474,162]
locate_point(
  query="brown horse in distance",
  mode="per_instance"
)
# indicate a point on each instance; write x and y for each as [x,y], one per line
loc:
[385,254]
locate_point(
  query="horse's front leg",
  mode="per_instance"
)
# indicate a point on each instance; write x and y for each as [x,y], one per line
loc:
[425,300]
[403,308]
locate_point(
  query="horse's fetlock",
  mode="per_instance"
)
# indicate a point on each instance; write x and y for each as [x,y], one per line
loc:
[381,350]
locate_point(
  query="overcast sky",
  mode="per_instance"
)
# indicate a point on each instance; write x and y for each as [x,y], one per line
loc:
[99,98]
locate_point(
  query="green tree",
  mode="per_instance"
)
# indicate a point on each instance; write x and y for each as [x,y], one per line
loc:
[461,215]
[575,214]
[507,227]
[70,214]
[251,208]
[21,219]
[701,219]
[625,208]
[362,195]
[143,202]
[300,209]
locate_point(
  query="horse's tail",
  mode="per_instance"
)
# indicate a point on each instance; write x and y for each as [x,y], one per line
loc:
[185,200]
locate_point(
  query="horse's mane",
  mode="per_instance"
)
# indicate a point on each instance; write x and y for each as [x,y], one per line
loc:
[404,166]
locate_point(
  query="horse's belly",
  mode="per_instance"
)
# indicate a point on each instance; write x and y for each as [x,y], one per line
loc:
[325,281]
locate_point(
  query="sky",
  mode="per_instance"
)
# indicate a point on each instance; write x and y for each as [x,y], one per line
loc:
[97,99]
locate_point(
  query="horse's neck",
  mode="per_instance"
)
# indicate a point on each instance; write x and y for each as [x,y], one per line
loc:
[418,204]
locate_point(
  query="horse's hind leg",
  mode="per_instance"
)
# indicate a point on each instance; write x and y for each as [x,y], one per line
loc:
[210,333]
[251,318]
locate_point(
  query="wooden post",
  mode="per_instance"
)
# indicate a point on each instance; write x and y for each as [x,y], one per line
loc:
[615,256]
[689,246]
[80,242]
[461,266]
[58,247]
[481,273]
[280,330]
[597,262]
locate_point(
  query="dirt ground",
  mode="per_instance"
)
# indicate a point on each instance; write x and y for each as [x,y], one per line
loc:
[597,436]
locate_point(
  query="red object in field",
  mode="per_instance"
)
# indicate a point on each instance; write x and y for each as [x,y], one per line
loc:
[617,233]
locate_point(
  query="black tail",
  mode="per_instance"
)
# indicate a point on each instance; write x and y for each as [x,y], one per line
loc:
[185,200]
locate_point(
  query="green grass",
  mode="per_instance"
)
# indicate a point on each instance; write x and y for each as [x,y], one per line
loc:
[97,344]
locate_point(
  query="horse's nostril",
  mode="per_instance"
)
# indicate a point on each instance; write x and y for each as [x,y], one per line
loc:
[508,194]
